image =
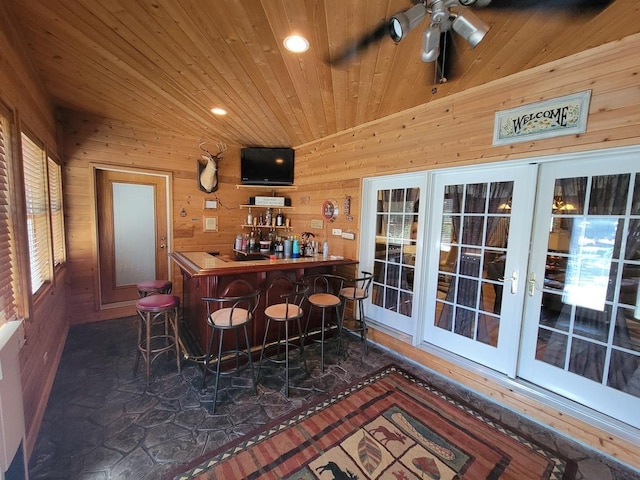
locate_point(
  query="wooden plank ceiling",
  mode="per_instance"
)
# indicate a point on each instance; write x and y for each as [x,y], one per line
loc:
[165,63]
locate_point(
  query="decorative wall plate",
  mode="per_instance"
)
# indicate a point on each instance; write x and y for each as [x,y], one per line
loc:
[330,210]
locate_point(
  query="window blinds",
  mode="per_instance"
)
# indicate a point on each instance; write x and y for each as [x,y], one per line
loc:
[37,212]
[7,253]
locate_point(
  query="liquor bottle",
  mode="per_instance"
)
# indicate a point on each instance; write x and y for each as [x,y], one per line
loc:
[249,217]
[267,220]
[280,219]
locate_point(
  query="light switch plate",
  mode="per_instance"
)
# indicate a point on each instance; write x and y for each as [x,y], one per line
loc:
[336,231]
[210,224]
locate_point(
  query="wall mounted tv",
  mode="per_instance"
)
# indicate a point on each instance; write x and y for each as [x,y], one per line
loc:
[266,166]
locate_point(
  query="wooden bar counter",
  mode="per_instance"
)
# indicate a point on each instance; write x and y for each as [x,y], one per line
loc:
[206,275]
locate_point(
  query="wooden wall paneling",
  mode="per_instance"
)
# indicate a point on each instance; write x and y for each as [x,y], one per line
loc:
[46,333]
[91,140]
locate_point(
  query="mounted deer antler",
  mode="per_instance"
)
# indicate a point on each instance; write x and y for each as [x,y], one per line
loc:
[208,181]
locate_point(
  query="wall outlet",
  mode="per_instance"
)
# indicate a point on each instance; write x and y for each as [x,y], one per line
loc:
[336,231]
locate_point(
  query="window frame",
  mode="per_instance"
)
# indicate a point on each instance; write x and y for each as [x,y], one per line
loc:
[37,218]
[56,212]
[21,304]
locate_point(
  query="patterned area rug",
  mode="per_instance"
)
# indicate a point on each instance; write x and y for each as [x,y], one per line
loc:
[389,426]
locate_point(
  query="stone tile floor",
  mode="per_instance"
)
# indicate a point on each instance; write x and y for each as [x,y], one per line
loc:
[102,422]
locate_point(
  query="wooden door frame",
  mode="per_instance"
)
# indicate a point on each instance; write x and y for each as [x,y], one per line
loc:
[168,180]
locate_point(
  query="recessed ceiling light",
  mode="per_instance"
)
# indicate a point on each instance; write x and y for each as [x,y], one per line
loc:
[218,111]
[296,43]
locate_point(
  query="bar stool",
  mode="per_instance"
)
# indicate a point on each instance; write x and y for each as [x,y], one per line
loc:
[323,294]
[288,310]
[224,314]
[356,291]
[152,344]
[150,287]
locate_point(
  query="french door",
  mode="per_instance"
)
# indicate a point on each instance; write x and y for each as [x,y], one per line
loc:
[532,270]
[477,258]
[581,333]
[393,234]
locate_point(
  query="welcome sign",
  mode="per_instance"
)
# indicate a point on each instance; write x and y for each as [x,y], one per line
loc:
[552,118]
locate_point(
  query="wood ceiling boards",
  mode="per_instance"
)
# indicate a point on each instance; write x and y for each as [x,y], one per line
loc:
[165,63]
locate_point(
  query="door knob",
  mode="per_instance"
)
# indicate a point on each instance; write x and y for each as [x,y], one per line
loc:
[162,245]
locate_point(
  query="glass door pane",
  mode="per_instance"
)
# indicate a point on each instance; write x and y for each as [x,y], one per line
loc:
[395,244]
[391,247]
[582,326]
[480,232]
[473,243]
[134,233]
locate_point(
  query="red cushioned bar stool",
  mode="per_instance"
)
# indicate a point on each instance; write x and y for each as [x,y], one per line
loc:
[155,337]
[152,287]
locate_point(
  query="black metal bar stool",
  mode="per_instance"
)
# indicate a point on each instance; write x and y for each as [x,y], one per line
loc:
[288,310]
[150,287]
[354,293]
[323,294]
[224,314]
[152,343]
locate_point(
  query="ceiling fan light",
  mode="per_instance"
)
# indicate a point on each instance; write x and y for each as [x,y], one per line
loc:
[470,27]
[403,23]
[430,43]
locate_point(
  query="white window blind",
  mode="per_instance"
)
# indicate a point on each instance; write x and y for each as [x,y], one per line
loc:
[57,218]
[37,212]
[7,252]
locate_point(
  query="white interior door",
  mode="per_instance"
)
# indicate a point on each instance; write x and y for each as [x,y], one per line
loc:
[477,253]
[581,336]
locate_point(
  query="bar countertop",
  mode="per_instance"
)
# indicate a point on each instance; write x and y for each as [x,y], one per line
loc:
[204,264]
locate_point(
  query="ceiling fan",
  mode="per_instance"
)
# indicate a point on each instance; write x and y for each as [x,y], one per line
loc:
[442,21]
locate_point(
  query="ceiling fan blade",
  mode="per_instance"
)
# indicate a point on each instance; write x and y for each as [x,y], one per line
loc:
[347,53]
[549,4]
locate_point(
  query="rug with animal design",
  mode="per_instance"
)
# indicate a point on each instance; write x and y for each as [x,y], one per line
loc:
[388,426]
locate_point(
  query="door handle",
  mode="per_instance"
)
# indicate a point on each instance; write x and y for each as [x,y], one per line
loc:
[514,282]
[532,284]
[162,245]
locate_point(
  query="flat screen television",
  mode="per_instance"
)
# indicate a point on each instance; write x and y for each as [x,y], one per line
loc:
[266,166]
